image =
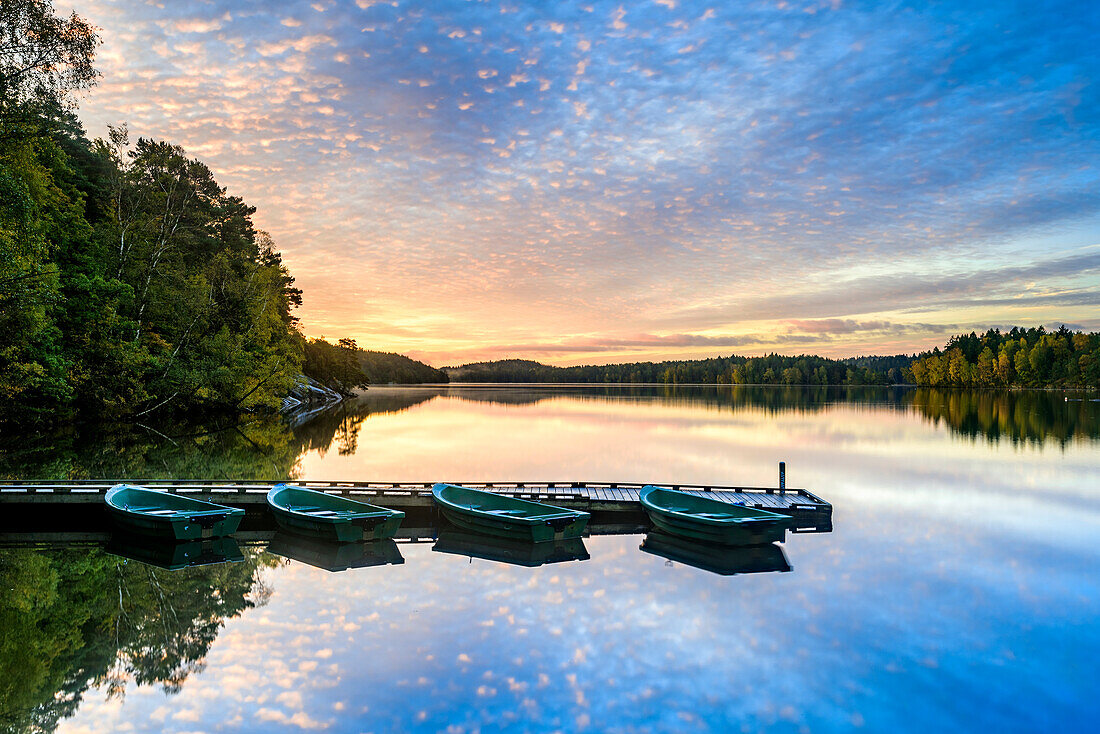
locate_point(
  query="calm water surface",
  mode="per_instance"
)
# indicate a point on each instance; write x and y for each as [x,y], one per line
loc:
[958,589]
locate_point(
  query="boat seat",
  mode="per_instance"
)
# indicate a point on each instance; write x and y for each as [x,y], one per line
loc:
[506,512]
[151,510]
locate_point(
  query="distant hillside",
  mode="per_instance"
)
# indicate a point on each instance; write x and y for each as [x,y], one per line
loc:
[504,370]
[770,369]
[1020,357]
[383,367]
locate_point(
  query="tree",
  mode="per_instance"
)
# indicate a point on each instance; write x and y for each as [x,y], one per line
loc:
[32,366]
[1005,372]
[1023,366]
[43,59]
[337,366]
[986,367]
[1027,357]
[1040,358]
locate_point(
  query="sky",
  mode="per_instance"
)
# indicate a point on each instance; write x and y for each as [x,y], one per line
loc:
[608,182]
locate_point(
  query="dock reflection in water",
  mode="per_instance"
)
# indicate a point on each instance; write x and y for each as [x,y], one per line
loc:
[461,543]
[721,560]
[331,556]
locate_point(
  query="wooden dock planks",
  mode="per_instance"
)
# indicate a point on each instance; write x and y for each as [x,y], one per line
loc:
[598,497]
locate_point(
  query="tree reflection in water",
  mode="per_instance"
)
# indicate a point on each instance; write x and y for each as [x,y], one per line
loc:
[269,447]
[75,618]
[78,618]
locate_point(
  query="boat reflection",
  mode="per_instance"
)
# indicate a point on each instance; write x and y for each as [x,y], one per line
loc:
[517,553]
[332,556]
[172,556]
[721,560]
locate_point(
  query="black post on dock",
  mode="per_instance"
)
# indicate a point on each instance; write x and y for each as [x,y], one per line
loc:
[782,477]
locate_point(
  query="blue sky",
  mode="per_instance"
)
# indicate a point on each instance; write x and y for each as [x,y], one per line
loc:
[614,181]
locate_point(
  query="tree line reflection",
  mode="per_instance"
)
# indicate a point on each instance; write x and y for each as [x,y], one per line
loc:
[79,618]
[1019,416]
[269,447]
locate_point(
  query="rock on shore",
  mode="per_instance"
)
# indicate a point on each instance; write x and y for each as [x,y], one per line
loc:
[308,397]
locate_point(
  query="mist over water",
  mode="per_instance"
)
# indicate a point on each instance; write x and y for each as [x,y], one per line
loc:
[957,589]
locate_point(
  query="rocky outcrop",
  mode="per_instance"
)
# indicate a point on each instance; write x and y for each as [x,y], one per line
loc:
[308,397]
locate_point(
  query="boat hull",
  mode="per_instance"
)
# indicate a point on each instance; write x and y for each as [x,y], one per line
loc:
[741,526]
[191,519]
[485,512]
[350,531]
[175,555]
[503,550]
[335,556]
[724,560]
[368,523]
[774,532]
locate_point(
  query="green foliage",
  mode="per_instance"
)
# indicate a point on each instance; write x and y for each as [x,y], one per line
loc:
[335,366]
[43,59]
[33,367]
[772,369]
[131,283]
[75,618]
[344,366]
[251,446]
[384,367]
[1017,358]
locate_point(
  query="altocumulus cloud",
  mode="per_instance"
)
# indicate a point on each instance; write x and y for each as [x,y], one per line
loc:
[449,175]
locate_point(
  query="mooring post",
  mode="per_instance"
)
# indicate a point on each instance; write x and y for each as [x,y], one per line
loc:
[782,477]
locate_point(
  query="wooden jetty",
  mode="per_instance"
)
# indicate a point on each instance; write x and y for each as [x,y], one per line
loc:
[614,505]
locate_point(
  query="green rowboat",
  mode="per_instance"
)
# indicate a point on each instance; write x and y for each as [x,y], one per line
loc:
[503,550]
[161,514]
[507,517]
[329,516]
[724,560]
[711,521]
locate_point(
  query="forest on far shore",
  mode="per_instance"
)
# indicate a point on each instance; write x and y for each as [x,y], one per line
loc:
[1016,358]
[1020,357]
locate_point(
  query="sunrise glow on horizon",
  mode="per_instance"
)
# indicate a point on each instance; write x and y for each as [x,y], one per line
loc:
[608,182]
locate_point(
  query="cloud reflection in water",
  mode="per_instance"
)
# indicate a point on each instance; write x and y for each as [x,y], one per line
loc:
[957,590]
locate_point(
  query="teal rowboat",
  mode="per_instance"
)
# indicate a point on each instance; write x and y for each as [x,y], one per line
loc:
[724,560]
[161,514]
[503,550]
[507,517]
[329,516]
[711,521]
[332,556]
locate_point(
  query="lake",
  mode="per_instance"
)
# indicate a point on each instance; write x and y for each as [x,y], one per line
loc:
[957,590]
